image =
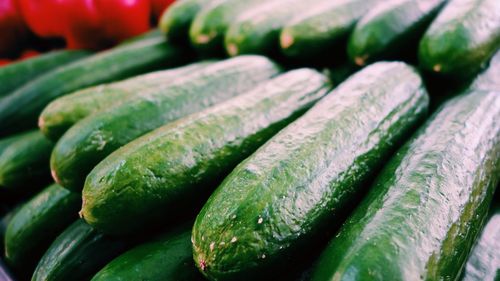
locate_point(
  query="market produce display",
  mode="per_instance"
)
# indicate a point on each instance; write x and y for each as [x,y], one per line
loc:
[249,140]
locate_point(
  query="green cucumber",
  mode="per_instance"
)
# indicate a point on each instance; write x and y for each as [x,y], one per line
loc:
[175,167]
[21,108]
[77,254]
[177,19]
[273,205]
[168,258]
[37,223]
[257,30]
[24,160]
[391,29]
[17,74]
[422,216]
[322,28]
[462,39]
[489,79]
[94,138]
[153,33]
[210,25]
[65,111]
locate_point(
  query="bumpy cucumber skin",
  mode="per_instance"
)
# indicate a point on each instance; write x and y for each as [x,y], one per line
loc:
[168,258]
[17,74]
[175,167]
[390,29]
[65,111]
[77,254]
[423,214]
[177,19]
[92,139]
[24,160]
[322,28]
[37,223]
[462,38]
[274,204]
[20,110]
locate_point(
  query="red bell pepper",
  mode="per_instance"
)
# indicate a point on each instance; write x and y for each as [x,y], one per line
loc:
[159,6]
[13,31]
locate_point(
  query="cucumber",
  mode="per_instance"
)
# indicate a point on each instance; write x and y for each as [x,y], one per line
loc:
[425,209]
[273,205]
[177,19]
[483,263]
[21,108]
[463,37]
[24,160]
[168,258]
[17,74]
[77,254]
[92,139]
[489,79]
[210,25]
[257,30]
[37,223]
[164,171]
[323,27]
[65,111]
[391,29]
[153,33]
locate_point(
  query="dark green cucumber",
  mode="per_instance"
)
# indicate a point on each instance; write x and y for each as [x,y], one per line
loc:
[323,27]
[37,223]
[94,138]
[21,108]
[24,160]
[153,33]
[65,111]
[489,79]
[175,168]
[273,205]
[210,25]
[177,19]
[169,258]
[17,74]
[77,254]
[391,29]
[462,38]
[257,30]
[422,216]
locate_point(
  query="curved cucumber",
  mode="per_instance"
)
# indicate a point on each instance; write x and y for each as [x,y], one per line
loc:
[77,254]
[323,27]
[24,160]
[463,37]
[177,19]
[169,258]
[37,223]
[176,166]
[17,74]
[21,108]
[390,29]
[423,214]
[92,139]
[210,25]
[65,111]
[275,203]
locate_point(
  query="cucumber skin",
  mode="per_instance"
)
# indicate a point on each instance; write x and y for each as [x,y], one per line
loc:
[168,258]
[272,224]
[322,28]
[77,254]
[176,20]
[20,110]
[164,171]
[24,160]
[489,79]
[16,74]
[67,110]
[391,28]
[37,223]
[92,139]
[450,47]
[403,230]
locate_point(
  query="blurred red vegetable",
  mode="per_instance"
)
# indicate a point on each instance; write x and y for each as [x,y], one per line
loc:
[13,31]
[159,6]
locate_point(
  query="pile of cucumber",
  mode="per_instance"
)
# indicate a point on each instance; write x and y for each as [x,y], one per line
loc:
[260,140]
